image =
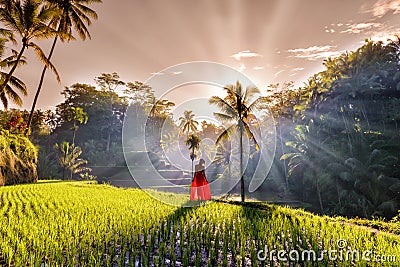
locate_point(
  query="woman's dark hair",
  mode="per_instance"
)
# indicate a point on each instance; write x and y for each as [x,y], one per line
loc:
[202,162]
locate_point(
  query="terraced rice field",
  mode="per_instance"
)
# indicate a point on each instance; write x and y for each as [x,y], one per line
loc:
[54,223]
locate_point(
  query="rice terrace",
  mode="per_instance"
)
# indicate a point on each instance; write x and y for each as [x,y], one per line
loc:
[82,223]
[178,133]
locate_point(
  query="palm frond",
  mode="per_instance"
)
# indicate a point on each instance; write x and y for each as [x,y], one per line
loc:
[224,106]
[223,117]
[18,84]
[11,94]
[259,103]
[42,57]
[87,11]
[250,135]
[4,100]
[79,25]
[226,134]
[250,92]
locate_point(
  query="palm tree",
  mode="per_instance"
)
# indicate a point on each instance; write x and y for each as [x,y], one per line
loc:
[193,143]
[223,158]
[140,95]
[305,156]
[159,107]
[77,115]
[74,13]
[14,84]
[109,83]
[139,92]
[29,20]
[188,124]
[68,158]
[235,108]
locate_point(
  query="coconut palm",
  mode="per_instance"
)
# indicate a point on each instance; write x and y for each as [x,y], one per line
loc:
[304,156]
[235,109]
[109,83]
[193,143]
[68,158]
[187,122]
[76,115]
[139,92]
[159,107]
[223,158]
[28,19]
[74,14]
[15,84]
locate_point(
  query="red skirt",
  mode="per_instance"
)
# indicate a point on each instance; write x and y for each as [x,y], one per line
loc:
[200,189]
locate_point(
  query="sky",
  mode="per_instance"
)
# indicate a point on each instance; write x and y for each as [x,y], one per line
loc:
[269,41]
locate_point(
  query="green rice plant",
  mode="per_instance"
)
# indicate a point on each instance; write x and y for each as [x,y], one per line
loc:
[86,224]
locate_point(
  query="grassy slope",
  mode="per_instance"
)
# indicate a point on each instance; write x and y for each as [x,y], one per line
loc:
[79,223]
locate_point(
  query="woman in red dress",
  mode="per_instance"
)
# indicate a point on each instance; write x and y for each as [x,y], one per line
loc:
[200,189]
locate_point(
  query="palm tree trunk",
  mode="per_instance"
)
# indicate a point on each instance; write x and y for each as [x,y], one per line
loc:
[8,77]
[40,87]
[338,192]
[192,170]
[284,161]
[108,141]
[350,145]
[74,134]
[319,195]
[241,165]
[110,123]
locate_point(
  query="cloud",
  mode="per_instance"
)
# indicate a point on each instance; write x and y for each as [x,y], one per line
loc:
[176,72]
[382,7]
[314,52]
[279,72]
[258,68]
[298,69]
[242,67]
[384,36]
[362,27]
[156,73]
[245,54]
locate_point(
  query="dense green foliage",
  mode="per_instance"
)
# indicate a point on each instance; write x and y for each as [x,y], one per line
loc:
[79,223]
[18,158]
[344,143]
[26,21]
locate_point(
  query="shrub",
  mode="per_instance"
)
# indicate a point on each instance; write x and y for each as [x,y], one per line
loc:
[18,158]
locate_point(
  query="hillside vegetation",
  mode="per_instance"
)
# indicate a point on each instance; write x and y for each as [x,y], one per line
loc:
[84,224]
[18,157]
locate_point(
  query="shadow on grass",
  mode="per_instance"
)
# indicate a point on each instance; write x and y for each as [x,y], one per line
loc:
[49,181]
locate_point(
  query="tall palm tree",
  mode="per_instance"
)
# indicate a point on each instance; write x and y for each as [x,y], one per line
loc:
[223,158]
[77,115]
[109,83]
[159,107]
[15,84]
[305,156]
[193,143]
[188,123]
[74,14]
[28,19]
[235,109]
